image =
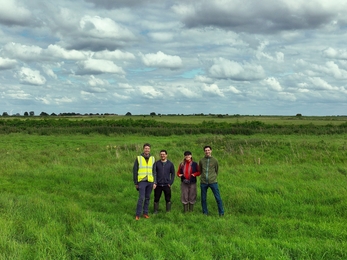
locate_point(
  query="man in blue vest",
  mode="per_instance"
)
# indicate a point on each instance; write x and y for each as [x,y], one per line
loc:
[144,180]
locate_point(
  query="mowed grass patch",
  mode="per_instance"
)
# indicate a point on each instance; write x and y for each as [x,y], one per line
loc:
[72,197]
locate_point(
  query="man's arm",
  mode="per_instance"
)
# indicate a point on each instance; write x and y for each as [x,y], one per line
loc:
[172,173]
[217,167]
[154,171]
[135,171]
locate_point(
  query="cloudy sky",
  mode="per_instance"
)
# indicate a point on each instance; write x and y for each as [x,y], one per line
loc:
[248,57]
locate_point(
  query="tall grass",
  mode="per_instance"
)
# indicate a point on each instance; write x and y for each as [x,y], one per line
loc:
[72,197]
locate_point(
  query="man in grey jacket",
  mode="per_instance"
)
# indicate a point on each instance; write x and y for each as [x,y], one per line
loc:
[164,171]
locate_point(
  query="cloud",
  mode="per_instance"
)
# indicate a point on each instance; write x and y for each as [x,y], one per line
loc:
[34,53]
[31,77]
[161,36]
[96,33]
[272,83]
[7,63]
[120,3]
[269,17]
[13,13]
[161,60]
[233,90]
[227,69]
[213,90]
[49,72]
[332,53]
[114,55]
[149,92]
[93,66]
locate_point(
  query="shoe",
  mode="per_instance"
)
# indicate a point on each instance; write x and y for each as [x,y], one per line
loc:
[145,216]
[221,215]
[137,218]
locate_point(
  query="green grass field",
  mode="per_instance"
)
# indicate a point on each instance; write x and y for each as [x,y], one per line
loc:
[72,197]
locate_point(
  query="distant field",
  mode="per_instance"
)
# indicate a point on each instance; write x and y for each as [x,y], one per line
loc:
[191,119]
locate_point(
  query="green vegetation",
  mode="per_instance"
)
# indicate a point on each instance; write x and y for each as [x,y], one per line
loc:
[71,196]
[158,127]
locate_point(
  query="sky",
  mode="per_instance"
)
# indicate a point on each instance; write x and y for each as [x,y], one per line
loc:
[247,57]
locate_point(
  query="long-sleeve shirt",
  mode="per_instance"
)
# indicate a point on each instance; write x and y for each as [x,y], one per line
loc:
[208,169]
[164,172]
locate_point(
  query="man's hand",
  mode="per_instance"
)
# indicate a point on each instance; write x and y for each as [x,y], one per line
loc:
[154,186]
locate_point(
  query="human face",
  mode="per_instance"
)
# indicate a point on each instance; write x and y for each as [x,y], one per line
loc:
[208,152]
[146,150]
[163,156]
[188,157]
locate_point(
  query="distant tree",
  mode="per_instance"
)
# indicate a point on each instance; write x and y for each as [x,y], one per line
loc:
[53,114]
[128,114]
[44,114]
[298,114]
[26,113]
[4,114]
[152,114]
[31,113]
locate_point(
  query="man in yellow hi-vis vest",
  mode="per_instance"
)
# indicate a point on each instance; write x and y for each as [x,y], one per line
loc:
[144,180]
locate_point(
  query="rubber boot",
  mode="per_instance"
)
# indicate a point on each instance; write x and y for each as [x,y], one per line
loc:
[168,206]
[156,207]
[186,208]
[191,207]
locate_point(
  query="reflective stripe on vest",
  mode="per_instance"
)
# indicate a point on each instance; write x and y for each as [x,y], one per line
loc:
[145,168]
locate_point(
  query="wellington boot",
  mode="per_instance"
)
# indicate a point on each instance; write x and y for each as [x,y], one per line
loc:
[156,207]
[185,208]
[168,206]
[191,207]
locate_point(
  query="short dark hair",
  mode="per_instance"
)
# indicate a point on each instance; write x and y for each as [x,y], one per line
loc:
[146,144]
[207,146]
[163,151]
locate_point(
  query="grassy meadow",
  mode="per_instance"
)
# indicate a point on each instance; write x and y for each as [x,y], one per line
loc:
[72,197]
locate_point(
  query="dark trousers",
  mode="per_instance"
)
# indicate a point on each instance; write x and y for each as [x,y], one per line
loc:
[215,190]
[159,189]
[145,189]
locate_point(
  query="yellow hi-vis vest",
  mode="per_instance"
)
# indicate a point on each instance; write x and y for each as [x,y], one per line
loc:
[145,168]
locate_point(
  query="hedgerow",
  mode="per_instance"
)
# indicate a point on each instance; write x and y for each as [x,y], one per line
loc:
[156,128]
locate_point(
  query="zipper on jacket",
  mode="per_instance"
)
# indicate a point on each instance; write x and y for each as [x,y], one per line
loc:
[207,166]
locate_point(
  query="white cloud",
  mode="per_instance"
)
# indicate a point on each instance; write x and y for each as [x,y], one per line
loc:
[227,69]
[13,13]
[92,66]
[7,63]
[149,92]
[161,60]
[49,72]
[272,83]
[93,81]
[99,27]
[114,55]
[233,90]
[59,52]
[32,77]
[213,89]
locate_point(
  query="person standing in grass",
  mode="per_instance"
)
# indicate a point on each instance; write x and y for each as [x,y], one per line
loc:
[164,170]
[144,180]
[209,172]
[188,170]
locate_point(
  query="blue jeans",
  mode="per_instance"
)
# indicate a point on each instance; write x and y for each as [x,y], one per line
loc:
[215,190]
[145,190]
